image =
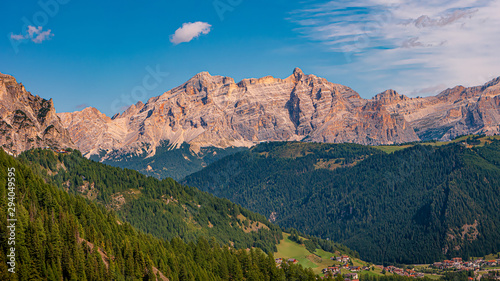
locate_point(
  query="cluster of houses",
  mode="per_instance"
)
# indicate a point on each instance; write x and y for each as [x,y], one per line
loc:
[403,272]
[455,263]
[336,270]
[344,259]
[458,263]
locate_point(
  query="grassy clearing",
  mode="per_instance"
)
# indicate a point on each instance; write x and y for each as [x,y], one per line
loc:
[489,257]
[433,276]
[318,260]
[288,249]
[392,148]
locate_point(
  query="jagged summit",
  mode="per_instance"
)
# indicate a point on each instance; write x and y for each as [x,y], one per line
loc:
[389,96]
[298,74]
[492,82]
[215,111]
[28,121]
[298,71]
[202,74]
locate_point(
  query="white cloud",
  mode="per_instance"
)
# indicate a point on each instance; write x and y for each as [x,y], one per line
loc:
[34,30]
[42,36]
[189,31]
[34,34]
[414,46]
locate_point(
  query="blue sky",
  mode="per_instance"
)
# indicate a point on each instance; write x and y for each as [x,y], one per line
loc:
[101,54]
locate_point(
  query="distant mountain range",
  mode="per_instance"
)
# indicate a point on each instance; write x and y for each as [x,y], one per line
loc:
[216,112]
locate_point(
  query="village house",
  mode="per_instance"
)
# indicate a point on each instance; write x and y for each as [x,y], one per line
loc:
[333,269]
[492,263]
[398,271]
[341,258]
[354,269]
[345,258]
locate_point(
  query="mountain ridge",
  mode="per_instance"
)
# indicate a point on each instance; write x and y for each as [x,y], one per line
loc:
[216,111]
[28,121]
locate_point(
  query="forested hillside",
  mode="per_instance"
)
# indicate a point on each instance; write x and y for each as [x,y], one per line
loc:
[60,236]
[417,205]
[163,208]
[169,161]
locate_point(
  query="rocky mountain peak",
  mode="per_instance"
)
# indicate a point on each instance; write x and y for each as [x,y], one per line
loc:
[389,96]
[493,82]
[133,109]
[203,74]
[297,75]
[28,121]
[214,111]
[9,85]
[492,88]
[297,72]
[256,81]
[202,82]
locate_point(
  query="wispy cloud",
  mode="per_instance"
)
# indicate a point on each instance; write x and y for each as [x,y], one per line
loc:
[35,34]
[189,31]
[420,43]
[17,36]
[425,21]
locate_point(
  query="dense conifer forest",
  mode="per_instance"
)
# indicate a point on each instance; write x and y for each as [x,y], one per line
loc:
[61,236]
[163,208]
[416,205]
[168,160]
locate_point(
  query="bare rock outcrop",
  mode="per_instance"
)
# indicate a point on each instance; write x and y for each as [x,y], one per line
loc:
[28,121]
[454,112]
[216,111]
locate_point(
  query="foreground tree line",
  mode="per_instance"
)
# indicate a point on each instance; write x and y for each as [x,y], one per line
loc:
[60,236]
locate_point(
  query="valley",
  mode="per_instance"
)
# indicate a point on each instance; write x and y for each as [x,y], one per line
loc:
[232,140]
[374,186]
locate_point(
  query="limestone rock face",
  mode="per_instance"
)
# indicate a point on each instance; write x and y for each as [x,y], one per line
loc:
[216,111]
[28,121]
[454,112]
